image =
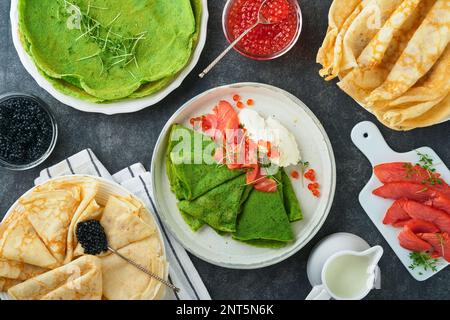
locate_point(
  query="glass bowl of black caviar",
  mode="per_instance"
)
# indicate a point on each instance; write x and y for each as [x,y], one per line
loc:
[28,131]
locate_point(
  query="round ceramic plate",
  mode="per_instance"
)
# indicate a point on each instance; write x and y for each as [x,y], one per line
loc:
[314,145]
[123,106]
[106,189]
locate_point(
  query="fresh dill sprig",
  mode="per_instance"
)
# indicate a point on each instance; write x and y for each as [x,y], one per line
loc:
[422,260]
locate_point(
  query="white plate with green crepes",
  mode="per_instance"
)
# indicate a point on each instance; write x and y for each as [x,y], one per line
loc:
[314,146]
[97,56]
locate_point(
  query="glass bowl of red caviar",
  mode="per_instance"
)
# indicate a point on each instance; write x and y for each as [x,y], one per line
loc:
[265,41]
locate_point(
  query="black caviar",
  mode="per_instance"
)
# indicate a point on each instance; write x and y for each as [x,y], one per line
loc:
[26,130]
[92,237]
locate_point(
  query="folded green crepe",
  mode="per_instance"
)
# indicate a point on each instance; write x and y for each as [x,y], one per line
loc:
[219,207]
[291,203]
[75,64]
[189,180]
[264,221]
[152,87]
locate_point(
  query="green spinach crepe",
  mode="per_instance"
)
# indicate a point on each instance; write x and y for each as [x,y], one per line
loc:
[189,180]
[291,203]
[264,220]
[214,195]
[219,207]
[117,49]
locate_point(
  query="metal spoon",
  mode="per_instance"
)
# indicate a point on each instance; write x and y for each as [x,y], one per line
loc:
[99,233]
[138,266]
[261,20]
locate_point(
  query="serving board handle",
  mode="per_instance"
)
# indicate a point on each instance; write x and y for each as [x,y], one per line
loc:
[368,138]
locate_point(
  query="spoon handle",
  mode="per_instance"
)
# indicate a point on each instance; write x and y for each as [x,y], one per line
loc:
[231,46]
[138,266]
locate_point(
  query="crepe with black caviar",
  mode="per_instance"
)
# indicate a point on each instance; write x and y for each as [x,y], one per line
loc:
[39,248]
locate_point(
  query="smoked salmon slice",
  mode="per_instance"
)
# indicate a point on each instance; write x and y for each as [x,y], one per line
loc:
[416,192]
[403,210]
[407,172]
[440,243]
[410,241]
[421,226]
[396,214]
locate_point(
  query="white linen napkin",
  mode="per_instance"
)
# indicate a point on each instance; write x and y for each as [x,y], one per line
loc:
[136,179]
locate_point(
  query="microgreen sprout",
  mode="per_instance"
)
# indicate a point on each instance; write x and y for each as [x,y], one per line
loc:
[115,49]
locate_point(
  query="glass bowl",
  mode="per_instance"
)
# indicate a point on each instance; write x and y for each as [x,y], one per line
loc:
[44,106]
[230,38]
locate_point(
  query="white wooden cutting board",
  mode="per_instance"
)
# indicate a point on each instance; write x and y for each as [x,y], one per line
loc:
[367,137]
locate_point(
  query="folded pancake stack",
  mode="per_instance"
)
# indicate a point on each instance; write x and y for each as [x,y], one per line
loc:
[40,257]
[392,56]
[106,50]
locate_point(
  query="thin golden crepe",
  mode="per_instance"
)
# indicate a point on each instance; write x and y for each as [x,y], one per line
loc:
[122,281]
[79,280]
[396,63]
[33,238]
[38,241]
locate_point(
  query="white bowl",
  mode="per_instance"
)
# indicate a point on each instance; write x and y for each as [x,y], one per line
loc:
[124,106]
[107,188]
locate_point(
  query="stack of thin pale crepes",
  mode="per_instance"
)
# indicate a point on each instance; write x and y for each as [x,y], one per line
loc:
[392,56]
[40,257]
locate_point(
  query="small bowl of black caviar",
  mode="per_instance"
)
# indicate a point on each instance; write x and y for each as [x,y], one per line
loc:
[28,131]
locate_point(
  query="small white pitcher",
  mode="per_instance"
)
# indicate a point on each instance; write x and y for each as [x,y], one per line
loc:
[348,275]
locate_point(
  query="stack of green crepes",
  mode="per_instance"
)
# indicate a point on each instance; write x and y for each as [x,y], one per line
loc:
[212,194]
[107,50]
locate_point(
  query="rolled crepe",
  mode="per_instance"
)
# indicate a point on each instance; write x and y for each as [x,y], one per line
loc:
[378,58]
[422,52]
[401,74]
[339,13]
[356,32]
[78,280]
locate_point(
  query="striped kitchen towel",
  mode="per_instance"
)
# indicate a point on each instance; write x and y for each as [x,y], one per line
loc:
[136,179]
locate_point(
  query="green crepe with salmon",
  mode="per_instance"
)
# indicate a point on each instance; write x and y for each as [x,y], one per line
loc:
[232,199]
[107,50]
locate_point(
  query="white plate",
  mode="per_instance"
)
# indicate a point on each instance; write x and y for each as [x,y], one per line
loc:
[375,148]
[107,188]
[125,106]
[315,148]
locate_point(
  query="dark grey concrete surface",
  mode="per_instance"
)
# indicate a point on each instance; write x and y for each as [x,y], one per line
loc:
[124,139]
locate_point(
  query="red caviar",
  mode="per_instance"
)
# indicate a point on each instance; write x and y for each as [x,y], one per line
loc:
[310,175]
[265,40]
[236,97]
[240,105]
[250,102]
[295,174]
